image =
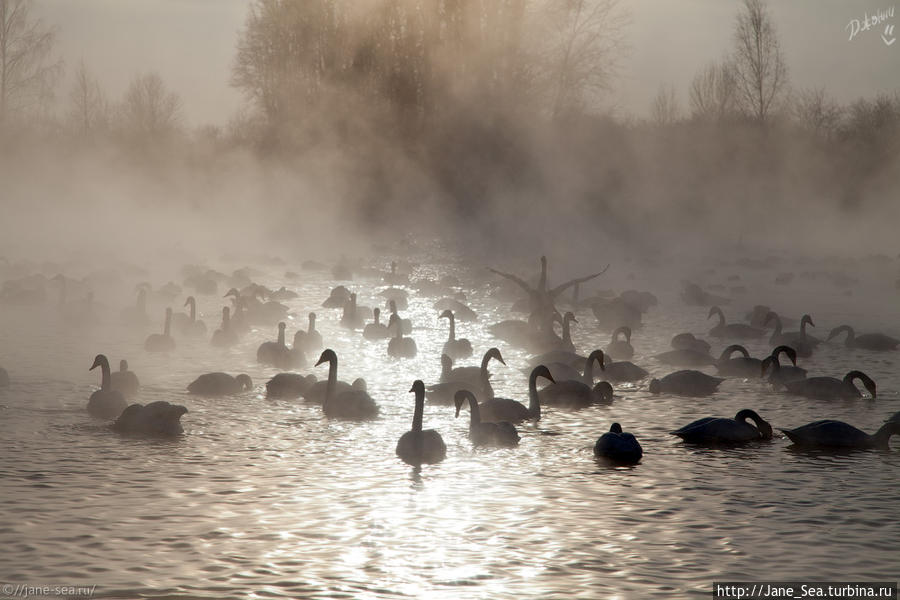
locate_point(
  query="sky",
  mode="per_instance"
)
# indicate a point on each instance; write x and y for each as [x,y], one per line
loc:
[191,44]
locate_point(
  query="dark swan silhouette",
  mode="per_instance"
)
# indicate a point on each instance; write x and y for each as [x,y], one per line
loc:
[125,381]
[418,446]
[161,342]
[717,430]
[352,404]
[830,388]
[837,434]
[512,411]
[156,418]
[105,403]
[618,446]
[453,347]
[686,383]
[220,384]
[489,433]
[867,341]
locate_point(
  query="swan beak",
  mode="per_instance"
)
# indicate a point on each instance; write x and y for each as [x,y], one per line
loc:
[322,360]
[413,388]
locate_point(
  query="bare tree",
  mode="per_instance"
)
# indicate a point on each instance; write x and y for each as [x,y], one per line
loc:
[26,76]
[585,49]
[665,109]
[760,70]
[712,92]
[817,113]
[149,111]
[89,109]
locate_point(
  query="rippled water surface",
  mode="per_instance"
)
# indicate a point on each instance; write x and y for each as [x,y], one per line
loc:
[267,498]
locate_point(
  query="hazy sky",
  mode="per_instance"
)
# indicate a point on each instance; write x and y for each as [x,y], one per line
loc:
[191,44]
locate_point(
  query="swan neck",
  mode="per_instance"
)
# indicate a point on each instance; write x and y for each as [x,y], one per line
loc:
[567,334]
[419,411]
[452,328]
[534,401]
[589,371]
[281,336]
[881,437]
[475,413]
[332,379]
[193,306]
[312,324]
[105,377]
[168,326]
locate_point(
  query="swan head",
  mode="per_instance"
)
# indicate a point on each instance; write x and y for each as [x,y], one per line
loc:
[867,381]
[312,317]
[377,312]
[123,365]
[418,387]
[495,353]
[99,361]
[655,386]
[447,314]
[232,292]
[765,429]
[245,382]
[460,397]
[542,371]
[791,353]
[713,310]
[188,301]
[807,319]
[624,330]
[393,306]
[569,316]
[615,428]
[327,355]
[599,357]
[281,326]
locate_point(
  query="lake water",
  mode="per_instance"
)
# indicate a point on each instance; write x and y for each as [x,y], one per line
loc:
[266,498]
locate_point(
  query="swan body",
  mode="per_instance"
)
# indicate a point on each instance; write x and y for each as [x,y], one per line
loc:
[376,330]
[125,381]
[289,385]
[161,342]
[462,312]
[353,404]
[220,384]
[224,336]
[620,348]
[512,411]
[455,348]
[716,430]
[156,418]
[867,341]
[687,341]
[623,371]
[399,346]
[732,330]
[743,366]
[309,340]
[277,354]
[837,434]
[618,446]
[802,343]
[316,392]
[495,433]
[418,446]
[105,403]
[686,383]
[830,388]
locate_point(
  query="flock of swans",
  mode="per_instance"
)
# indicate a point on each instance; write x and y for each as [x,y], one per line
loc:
[566,378]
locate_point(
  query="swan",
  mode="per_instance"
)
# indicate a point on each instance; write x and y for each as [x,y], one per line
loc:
[258,312]
[622,371]
[495,433]
[830,388]
[743,366]
[418,446]
[187,324]
[351,319]
[289,385]
[687,341]
[125,381]
[353,404]
[733,330]
[455,348]
[376,330]
[316,392]
[105,403]
[474,378]
[717,430]
[405,324]
[337,298]
[156,418]
[161,342]
[399,346]
[866,341]
[309,340]
[578,393]
[512,411]
[220,384]
[462,312]
[686,383]
[620,348]
[546,339]
[802,343]
[618,446]
[277,354]
[564,371]
[781,375]
[282,293]
[837,434]
[225,335]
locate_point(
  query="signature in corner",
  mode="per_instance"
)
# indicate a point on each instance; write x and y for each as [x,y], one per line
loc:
[857,26]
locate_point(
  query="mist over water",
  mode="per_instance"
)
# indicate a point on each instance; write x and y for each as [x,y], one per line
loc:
[449,142]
